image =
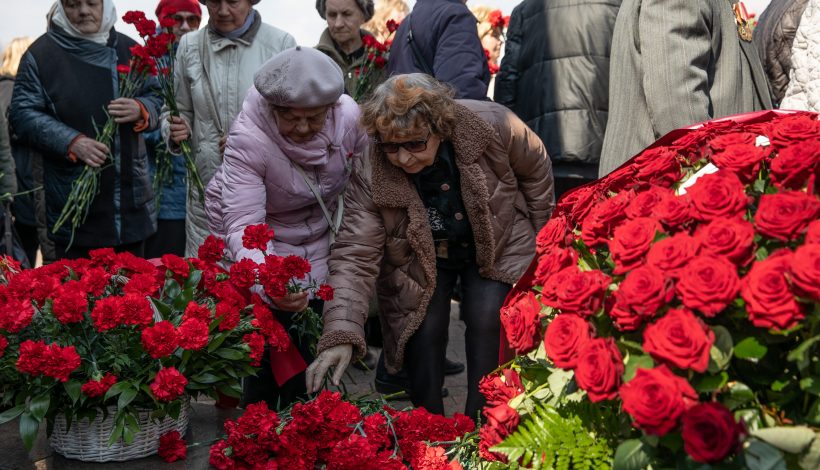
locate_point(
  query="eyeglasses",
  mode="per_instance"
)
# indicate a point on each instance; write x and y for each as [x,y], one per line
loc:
[193,20]
[412,146]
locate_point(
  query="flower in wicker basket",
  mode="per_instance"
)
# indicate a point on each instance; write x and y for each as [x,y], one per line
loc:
[115,346]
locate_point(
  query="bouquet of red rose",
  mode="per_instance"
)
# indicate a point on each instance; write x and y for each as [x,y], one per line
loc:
[671,317]
[328,432]
[116,334]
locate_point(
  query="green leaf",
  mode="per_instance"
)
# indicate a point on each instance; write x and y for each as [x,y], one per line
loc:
[739,395]
[793,439]
[116,389]
[164,309]
[721,353]
[750,348]
[233,391]
[116,434]
[800,354]
[206,378]
[126,397]
[12,413]
[811,385]
[710,383]
[761,456]
[633,362]
[633,454]
[193,280]
[73,389]
[217,341]
[28,429]
[231,354]
[760,186]
[813,416]
[38,407]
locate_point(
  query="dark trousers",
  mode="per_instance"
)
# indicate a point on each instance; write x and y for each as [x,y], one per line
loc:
[75,252]
[562,185]
[29,239]
[169,239]
[263,387]
[425,352]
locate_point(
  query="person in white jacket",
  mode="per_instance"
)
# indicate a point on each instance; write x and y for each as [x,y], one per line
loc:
[803,92]
[213,72]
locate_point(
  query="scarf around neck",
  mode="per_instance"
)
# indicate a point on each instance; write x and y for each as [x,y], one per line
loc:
[238,33]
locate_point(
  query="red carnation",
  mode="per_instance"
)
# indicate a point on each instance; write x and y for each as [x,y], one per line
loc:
[718,195]
[256,343]
[4,343]
[642,293]
[123,69]
[168,384]
[193,334]
[631,242]
[176,265]
[599,369]
[212,249]
[196,311]
[392,25]
[708,284]
[793,165]
[565,336]
[143,285]
[70,303]
[574,291]
[732,238]
[98,388]
[136,310]
[172,447]
[258,236]
[106,313]
[61,362]
[33,357]
[710,433]
[769,301]
[656,399]
[243,273]
[785,216]
[520,319]
[133,16]
[230,315]
[681,339]
[296,267]
[501,388]
[269,326]
[160,340]
[325,292]
[672,254]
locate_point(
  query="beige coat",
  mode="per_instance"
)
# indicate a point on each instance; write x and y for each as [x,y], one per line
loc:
[228,65]
[507,188]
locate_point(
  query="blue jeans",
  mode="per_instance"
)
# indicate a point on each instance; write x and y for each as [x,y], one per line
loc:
[425,352]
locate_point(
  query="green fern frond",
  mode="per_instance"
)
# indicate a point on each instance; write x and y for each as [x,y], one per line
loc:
[545,439]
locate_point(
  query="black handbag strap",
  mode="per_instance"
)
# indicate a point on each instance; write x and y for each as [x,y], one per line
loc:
[418,58]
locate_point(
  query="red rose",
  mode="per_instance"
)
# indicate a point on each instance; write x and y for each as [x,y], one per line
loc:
[257,237]
[741,159]
[599,369]
[521,321]
[555,232]
[710,432]
[645,202]
[658,166]
[502,420]
[580,202]
[630,243]
[656,399]
[813,232]
[793,165]
[732,238]
[681,339]
[193,334]
[552,260]
[325,292]
[168,384]
[795,128]
[785,216]
[500,389]
[642,293]
[769,301]
[672,254]
[212,249]
[721,142]
[604,217]
[574,291]
[160,340]
[70,303]
[566,334]
[708,284]
[718,195]
[805,271]
[98,388]
[243,273]
[172,447]
[176,265]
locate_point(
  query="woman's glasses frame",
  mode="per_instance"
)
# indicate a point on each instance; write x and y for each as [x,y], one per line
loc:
[412,146]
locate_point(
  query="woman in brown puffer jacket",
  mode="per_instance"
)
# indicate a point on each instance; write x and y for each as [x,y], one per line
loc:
[452,189]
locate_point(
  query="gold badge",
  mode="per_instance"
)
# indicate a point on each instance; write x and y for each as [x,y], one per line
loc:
[742,21]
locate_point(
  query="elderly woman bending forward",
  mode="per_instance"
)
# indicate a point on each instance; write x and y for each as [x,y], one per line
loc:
[452,189]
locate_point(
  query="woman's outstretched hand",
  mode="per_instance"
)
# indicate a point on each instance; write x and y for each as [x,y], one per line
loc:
[337,357]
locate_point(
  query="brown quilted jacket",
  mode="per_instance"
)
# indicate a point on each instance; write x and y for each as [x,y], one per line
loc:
[507,188]
[773,37]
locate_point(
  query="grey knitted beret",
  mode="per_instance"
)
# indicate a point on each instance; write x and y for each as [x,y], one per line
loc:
[300,77]
[365,5]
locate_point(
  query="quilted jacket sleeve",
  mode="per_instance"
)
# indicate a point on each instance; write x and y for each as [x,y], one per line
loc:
[507,78]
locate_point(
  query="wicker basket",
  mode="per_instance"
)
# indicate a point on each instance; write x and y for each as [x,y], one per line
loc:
[88,441]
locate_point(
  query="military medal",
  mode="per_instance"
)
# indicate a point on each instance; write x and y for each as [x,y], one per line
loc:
[742,20]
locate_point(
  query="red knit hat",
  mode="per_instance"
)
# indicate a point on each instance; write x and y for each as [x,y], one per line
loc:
[169,7]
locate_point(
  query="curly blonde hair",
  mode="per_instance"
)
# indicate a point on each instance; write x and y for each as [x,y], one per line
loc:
[485,26]
[384,11]
[12,55]
[407,102]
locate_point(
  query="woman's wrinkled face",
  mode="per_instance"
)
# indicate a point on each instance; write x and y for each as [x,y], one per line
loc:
[228,15]
[300,125]
[344,18]
[412,150]
[85,15]
[493,42]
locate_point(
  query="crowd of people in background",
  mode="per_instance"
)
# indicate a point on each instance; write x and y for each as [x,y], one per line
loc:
[427,183]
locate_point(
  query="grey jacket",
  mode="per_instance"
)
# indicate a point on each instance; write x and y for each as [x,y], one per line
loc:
[675,63]
[555,77]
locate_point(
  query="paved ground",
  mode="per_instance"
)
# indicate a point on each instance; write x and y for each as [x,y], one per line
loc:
[206,423]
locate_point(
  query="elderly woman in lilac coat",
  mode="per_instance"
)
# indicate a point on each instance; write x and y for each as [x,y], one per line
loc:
[292,145]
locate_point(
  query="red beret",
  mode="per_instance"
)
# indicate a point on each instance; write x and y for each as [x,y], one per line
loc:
[171,7]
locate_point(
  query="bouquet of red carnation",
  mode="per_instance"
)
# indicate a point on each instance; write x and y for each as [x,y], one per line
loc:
[672,312]
[370,73]
[116,334]
[330,432]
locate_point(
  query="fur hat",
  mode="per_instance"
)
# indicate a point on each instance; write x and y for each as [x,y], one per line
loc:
[365,5]
[300,77]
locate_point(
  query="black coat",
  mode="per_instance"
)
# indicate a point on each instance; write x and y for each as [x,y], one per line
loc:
[555,76]
[446,34]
